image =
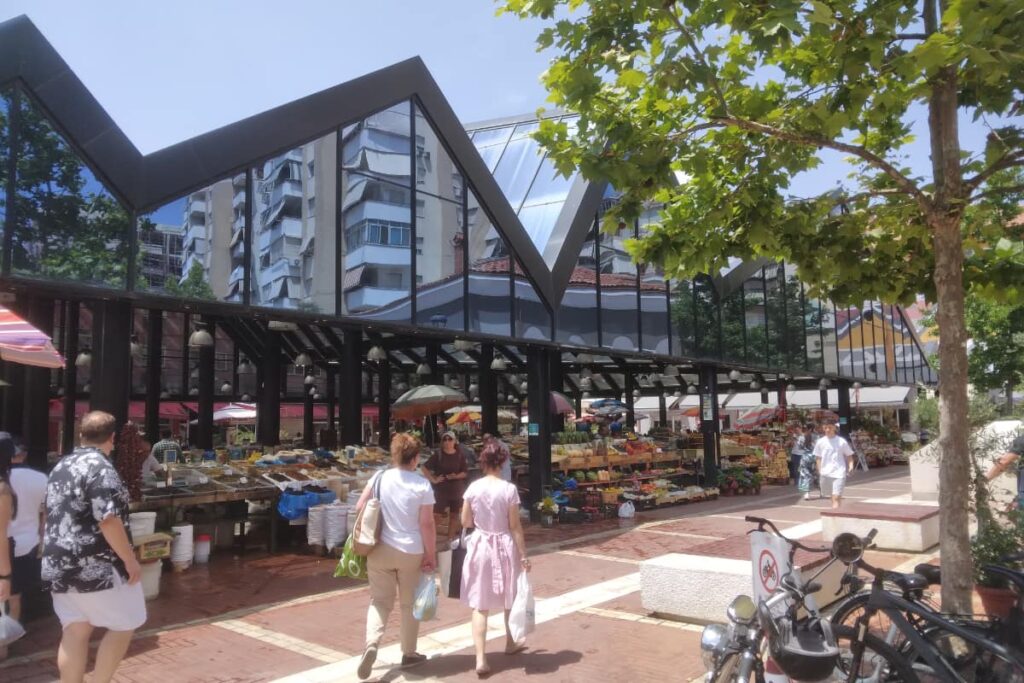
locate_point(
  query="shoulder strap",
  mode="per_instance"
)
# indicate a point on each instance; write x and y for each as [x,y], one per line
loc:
[376,484]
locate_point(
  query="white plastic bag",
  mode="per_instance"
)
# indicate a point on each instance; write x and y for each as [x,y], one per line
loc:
[10,630]
[627,510]
[523,618]
[425,606]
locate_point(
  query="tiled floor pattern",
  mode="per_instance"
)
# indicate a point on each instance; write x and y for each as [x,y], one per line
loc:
[283,618]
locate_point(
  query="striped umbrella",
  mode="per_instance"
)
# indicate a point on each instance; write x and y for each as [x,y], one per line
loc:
[23,343]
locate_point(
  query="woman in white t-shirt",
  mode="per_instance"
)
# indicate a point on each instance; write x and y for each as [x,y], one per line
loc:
[407,548]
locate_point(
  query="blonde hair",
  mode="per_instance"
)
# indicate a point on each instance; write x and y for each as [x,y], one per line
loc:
[404,448]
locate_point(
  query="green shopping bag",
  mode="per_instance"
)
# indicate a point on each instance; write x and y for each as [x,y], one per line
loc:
[350,565]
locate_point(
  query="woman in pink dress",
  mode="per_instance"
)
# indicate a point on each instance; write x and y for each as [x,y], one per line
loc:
[495,551]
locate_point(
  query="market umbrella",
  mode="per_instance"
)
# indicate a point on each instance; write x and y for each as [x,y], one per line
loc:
[428,399]
[561,405]
[604,404]
[755,417]
[236,412]
[465,417]
[22,343]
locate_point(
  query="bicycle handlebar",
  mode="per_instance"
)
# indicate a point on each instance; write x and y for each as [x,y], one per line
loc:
[762,523]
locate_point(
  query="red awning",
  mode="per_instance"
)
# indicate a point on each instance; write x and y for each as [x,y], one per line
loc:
[169,410]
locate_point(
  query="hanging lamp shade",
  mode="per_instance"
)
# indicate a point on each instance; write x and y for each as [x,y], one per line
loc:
[309,380]
[734,375]
[691,389]
[225,388]
[464,345]
[84,358]
[790,387]
[199,338]
[423,369]
[303,359]
[135,348]
[499,364]
[376,354]
[245,367]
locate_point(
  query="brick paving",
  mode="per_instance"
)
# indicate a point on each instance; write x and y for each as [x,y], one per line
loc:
[259,618]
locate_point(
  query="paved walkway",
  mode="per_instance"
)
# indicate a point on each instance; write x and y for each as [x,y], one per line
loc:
[284,618]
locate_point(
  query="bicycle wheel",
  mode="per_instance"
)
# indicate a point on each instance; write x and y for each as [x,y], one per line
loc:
[880,663]
[966,659]
[880,625]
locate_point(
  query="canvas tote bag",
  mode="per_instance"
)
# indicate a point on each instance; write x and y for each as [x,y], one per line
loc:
[366,532]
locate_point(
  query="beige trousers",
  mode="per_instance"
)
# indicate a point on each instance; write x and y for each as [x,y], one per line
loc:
[390,569]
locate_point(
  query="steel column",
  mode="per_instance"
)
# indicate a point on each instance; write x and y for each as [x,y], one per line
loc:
[487,385]
[154,365]
[844,409]
[384,405]
[539,429]
[204,433]
[709,424]
[35,427]
[351,388]
[70,349]
[111,375]
[269,398]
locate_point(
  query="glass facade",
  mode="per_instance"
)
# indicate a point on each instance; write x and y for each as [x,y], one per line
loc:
[376,220]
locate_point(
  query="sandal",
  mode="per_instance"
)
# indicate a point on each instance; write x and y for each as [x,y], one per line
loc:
[515,649]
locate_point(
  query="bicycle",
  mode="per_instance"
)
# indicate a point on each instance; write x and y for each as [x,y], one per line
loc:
[931,639]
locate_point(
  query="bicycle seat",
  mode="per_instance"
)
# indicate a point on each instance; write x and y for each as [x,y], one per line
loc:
[930,572]
[909,583]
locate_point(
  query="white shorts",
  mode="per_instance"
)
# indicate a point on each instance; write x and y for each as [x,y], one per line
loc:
[832,486]
[121,608]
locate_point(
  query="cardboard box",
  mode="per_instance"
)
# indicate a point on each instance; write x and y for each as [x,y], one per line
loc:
[153,546]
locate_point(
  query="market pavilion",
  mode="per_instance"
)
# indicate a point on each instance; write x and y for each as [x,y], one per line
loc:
[323,256]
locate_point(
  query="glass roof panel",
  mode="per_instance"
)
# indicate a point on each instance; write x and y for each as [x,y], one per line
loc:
[535,190]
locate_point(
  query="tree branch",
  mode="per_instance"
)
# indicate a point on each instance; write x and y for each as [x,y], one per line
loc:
[1008,160]
[903,183]
[910,36]
[701,56]
[996,191]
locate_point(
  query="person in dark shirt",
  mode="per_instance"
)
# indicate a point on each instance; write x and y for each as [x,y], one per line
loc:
[88,562]
[447,470]
[1012,458]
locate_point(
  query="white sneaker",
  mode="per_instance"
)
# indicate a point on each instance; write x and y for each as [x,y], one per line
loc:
[807,496]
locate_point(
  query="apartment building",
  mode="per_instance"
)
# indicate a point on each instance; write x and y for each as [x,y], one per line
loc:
[161,247]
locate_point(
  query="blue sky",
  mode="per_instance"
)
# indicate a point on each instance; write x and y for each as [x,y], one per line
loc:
[166,71]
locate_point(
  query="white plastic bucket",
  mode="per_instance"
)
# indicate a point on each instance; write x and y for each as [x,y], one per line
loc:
[142,523]
[202,550]
[182,546]
[151,578]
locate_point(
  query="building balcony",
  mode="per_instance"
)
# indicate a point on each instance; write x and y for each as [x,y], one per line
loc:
[236,275]
[279,269]
[364,298]
[286,189]
[238,200]
[196,207]
[377,255]
[284,227]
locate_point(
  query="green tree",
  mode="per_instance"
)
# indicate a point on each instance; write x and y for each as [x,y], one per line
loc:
[996,361]
[194,286]
[743,95]
[67,226]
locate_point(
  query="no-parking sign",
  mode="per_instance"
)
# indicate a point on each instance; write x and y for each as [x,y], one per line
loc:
[769,556]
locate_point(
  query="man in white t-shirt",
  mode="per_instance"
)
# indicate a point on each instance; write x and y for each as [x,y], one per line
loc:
[26,529]
[835,460]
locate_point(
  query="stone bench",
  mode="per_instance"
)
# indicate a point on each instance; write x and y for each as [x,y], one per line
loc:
[699,585]
[913,528]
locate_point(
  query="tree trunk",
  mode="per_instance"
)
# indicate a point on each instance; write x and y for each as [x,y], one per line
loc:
[954,469]
[944,217]
[1009,397]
